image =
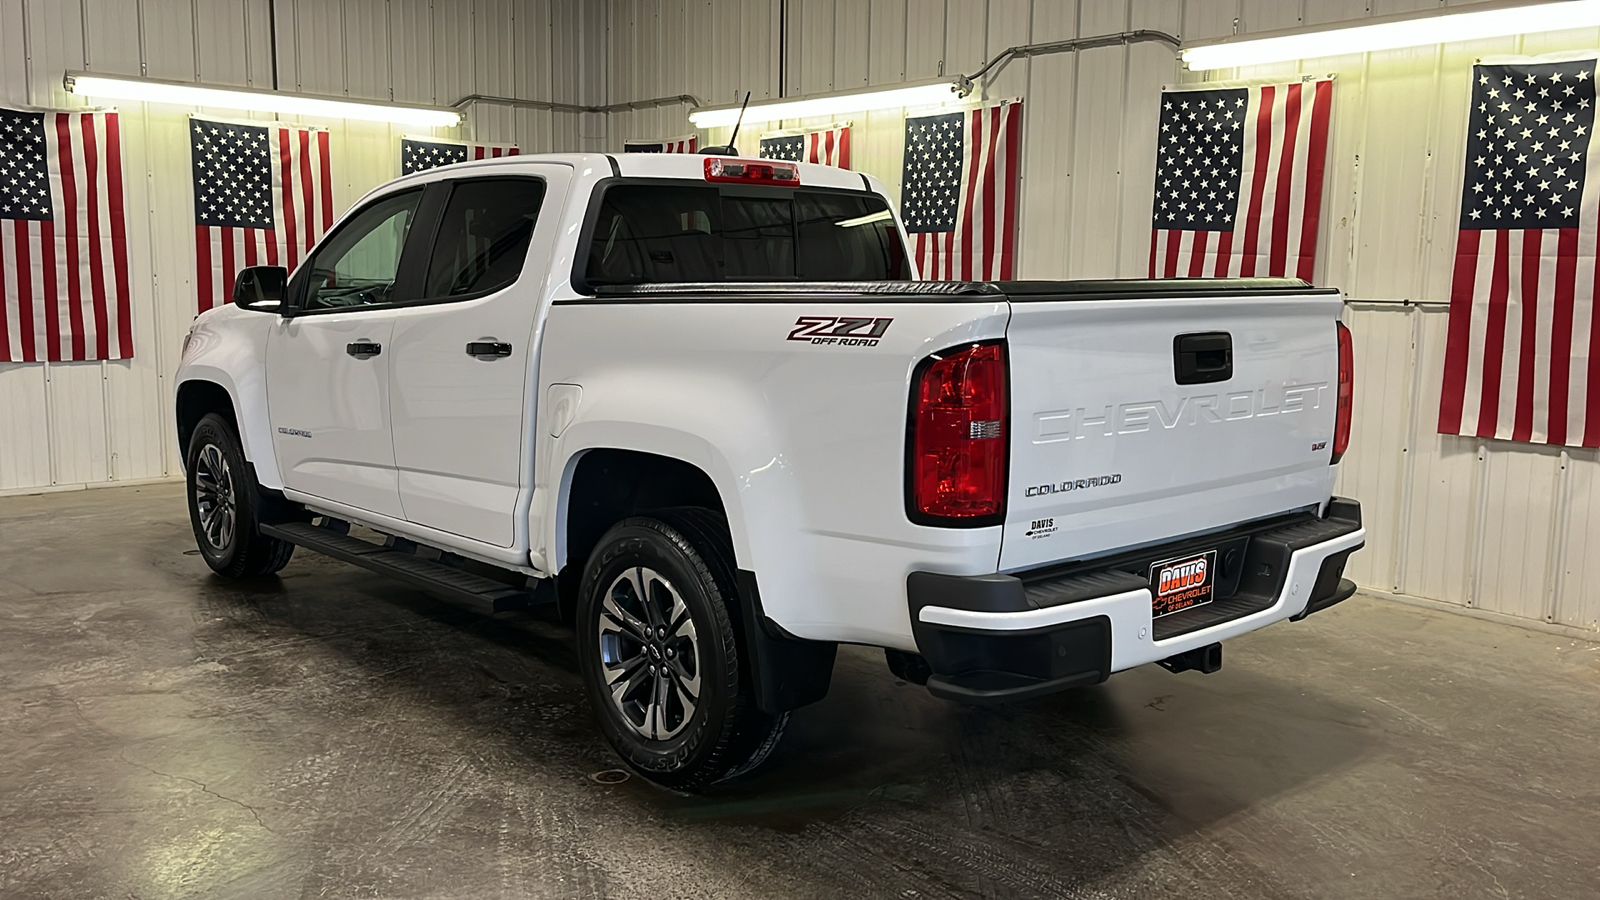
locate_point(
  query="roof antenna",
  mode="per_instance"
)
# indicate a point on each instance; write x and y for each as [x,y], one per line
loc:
[728,150]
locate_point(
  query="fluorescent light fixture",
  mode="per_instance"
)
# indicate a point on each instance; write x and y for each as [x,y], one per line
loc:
[179,93]
[920,94]
[1390,32]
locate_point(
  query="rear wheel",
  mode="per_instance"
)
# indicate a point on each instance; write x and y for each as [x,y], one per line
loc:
[225,505]
[661,658]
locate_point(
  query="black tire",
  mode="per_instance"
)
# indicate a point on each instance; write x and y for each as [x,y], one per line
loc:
[225,505]
[677,557]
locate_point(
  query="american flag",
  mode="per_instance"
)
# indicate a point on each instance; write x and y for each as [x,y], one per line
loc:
[419,155]
[1522,354]
[262,196]
[688,143]
[63,239]
[829,146]
[959,196]
[1239,176]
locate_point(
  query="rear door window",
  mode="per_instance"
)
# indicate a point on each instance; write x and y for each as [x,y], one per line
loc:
[483,236]
[653,233]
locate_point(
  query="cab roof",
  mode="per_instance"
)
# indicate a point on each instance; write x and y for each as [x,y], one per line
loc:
[689,166]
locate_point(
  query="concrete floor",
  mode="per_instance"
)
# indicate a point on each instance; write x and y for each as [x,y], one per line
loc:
[166,734]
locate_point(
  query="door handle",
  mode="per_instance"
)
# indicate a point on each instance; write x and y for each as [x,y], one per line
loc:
[488,350]
[363,349]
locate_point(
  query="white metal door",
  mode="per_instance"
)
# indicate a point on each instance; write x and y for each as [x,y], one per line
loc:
[462,393]
[329,405]
[328,366]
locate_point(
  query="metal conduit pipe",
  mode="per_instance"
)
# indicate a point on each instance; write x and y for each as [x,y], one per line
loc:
[553,106]
[1140,36]
[1024,51]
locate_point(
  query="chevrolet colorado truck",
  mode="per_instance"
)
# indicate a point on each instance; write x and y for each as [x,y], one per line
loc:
[705,406]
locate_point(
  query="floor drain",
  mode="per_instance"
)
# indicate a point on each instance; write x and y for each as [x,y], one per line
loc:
[610,776]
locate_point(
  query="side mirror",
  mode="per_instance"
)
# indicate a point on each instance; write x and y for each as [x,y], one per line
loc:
[260,288]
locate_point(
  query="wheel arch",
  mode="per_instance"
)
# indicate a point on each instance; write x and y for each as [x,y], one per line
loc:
[196,398]
[604,485]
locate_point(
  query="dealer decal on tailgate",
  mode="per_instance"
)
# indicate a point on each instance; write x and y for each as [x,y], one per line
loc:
[1182,583]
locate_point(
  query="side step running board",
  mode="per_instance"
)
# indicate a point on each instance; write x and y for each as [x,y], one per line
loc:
[484,595]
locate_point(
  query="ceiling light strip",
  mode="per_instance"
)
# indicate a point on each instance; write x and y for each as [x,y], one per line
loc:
[179,93]
[1394,32]
[817,105]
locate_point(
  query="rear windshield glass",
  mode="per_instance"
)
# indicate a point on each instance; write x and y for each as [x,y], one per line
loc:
[664,234]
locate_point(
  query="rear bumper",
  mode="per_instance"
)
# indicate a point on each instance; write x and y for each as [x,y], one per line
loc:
[997,638]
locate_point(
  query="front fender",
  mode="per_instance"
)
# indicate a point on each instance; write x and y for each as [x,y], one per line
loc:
[228,347]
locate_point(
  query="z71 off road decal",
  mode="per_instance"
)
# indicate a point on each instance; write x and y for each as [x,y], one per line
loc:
[844,331]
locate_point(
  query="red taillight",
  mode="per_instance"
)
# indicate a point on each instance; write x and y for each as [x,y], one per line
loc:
[1346,395]
[958,437]
[744,171]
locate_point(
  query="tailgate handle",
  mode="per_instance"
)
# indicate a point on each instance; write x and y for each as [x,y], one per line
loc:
[1202,358]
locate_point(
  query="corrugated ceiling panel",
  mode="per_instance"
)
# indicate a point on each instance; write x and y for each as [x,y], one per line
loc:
[701,54]
[853,45]
[924,39]
[169,38]
[887,61]
[366,48]
[1320,12]
[220,27]
[411,51]
[56,40]
[1268,15]
[320,50]
[811,53]
[1208,19]
[966,31]
[1102,16]
[109,48]
[1010,23]
[452,52]
[1161,15]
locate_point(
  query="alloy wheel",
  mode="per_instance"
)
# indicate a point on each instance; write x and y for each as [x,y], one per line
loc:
[650,653]
[215,498]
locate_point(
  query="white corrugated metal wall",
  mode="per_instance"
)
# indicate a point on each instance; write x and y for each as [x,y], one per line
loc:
[1505,528]
[1486,524]
[67,424]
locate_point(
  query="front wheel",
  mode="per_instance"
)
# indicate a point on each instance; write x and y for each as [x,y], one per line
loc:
[225,505]
[660,655]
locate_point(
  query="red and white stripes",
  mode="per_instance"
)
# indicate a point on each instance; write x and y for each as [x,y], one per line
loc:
[829,147]
[302,191]
[689,143]
[1522,358]
[492,151]
[65,278]
[1279,199]
[982,246]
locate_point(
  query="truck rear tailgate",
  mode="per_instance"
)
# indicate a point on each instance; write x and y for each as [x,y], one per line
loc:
[1110,451]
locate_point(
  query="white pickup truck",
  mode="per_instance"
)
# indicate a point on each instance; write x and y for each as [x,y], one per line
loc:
[704,405]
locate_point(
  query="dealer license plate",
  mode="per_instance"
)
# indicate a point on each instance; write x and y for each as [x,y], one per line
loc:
[1183,582]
